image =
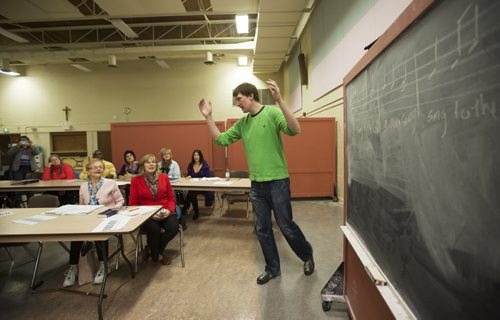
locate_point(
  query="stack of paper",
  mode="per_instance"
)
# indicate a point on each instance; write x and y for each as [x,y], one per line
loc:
[113,223]
[74,209]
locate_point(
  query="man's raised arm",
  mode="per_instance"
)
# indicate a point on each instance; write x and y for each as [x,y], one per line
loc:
[291,121]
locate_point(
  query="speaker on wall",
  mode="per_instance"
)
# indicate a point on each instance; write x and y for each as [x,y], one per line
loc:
[303,69]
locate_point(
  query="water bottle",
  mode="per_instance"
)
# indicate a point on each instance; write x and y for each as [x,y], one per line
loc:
[227,175]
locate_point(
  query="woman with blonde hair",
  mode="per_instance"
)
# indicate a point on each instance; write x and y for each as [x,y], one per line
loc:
[97,190]
[169,166]
[150,187]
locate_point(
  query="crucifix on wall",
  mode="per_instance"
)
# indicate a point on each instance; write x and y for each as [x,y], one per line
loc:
[66,110]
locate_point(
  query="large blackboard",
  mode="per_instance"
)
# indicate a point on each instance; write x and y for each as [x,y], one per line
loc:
[423,150]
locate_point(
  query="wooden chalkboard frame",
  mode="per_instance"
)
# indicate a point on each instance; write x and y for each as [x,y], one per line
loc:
[366,301]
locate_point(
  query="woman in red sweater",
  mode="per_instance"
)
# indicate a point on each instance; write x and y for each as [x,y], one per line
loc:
[150,187]
[56,170]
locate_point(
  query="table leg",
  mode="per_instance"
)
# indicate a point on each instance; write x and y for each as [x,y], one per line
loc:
[34,285]
[103,285]
[122,251]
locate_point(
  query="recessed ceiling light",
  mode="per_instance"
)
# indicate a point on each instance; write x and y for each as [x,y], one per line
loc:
[242,60]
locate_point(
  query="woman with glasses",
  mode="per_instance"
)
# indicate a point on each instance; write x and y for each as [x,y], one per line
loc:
[150,187]
[168,165]
[97,190]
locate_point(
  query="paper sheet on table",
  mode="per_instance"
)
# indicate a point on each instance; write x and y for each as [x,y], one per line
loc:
[225,183]
[134,211]
[74,209]
[34,219]
[113,223]
[206,179]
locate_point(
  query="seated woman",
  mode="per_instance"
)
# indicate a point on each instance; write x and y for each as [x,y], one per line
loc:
[148,188]
[197,168]
[97,190]
[130,168]
[57,170]
[169,166]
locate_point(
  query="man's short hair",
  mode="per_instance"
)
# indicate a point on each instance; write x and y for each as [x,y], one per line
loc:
[97,154]
[247,89]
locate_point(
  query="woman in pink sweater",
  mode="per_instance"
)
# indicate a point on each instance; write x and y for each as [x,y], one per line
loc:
[96,190]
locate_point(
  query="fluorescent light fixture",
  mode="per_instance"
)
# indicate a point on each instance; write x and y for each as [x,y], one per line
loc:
[242,23]
[6,68]
[123,27]
[13,36]
[80,67]
[242,60]
[9,72]
[163,64]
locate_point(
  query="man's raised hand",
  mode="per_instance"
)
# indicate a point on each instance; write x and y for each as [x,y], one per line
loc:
[205,107]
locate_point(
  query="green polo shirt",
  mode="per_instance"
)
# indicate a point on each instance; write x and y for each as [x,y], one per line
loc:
[261,134]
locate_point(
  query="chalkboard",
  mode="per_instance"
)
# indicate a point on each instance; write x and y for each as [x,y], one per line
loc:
[423,160]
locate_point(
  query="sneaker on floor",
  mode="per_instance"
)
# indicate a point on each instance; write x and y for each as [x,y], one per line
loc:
[99,276]
[71,276]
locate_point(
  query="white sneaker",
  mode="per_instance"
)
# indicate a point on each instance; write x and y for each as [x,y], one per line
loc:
[71,276]
[99,276]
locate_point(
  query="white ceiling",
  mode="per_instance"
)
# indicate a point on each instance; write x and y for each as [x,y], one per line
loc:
[61,30]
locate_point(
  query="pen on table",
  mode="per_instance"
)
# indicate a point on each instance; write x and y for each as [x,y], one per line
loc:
[136,208]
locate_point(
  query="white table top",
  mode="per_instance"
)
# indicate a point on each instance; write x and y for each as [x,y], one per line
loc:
[63,227]
[234,184]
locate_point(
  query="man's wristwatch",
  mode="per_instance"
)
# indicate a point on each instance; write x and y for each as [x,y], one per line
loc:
[163,211]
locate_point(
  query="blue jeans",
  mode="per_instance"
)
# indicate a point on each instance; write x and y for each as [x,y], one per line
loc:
[275,195]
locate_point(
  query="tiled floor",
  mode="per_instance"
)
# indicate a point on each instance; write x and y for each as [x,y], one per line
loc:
[223,260]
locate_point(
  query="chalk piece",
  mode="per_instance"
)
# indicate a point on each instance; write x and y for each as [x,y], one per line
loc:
[375,275]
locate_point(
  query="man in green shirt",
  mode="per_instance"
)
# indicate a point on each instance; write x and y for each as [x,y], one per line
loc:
[261,133]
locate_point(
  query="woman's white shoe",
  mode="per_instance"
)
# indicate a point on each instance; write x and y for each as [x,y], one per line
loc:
[99,276]
[71,276]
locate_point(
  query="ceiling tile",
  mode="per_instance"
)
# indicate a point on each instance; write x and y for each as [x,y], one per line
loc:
[277,31]
[43,10]
[141,7]
[282,5]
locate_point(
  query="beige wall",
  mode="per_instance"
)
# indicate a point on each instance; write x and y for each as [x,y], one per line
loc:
[32,104]
[330,105]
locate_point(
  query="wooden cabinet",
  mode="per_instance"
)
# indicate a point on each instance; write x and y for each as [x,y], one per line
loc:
[69,143]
